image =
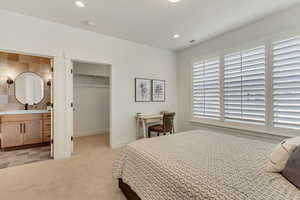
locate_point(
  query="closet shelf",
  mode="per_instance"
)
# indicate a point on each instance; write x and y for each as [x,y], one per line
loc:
[91,85]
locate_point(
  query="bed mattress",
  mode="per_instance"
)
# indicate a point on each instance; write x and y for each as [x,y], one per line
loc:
[201,165]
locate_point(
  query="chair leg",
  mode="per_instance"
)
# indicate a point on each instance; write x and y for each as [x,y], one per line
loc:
[157,134]
[149,133]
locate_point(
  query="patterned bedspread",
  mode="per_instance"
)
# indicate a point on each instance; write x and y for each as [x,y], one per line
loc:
[201,165]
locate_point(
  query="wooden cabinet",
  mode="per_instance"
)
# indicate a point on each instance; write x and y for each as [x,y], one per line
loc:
[46,127]
[32,132]
[15,136]
[24,129]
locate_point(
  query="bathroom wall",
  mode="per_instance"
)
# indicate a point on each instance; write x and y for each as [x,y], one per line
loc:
[12,65]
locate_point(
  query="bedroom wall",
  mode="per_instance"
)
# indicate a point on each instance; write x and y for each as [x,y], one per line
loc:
[283,24]
[128,60]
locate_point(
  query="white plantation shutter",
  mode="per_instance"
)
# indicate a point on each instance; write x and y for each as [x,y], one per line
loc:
[206,89]
[286,83]
[244,86]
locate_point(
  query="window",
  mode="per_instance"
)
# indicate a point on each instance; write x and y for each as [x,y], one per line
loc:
[286,83]
[206,89]
[244,86]
[251,89]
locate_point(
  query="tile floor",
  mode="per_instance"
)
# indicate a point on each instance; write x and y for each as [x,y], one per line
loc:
[24,156]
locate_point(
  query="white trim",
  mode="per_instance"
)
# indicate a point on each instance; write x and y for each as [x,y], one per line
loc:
[110,86]
[216,75]
[59,120]
[69,100]
[51,109]
[248,127]
[91,133]
[269,86]
[191,89]
[221,79]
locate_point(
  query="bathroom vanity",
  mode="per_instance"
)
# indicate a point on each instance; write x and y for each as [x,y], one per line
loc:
[21,128]
[28,127]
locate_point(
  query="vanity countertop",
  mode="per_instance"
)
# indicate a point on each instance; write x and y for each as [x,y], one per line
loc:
[17,112]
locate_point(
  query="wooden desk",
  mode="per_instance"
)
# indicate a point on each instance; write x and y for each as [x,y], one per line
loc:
[144,120]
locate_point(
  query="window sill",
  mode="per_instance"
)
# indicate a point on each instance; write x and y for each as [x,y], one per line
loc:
[240,127]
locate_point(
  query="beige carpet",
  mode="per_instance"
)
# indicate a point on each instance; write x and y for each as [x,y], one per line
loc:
[85,176]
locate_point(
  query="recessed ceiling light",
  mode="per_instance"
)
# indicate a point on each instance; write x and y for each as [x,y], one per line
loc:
[176,36]
[174,1]
[79,4]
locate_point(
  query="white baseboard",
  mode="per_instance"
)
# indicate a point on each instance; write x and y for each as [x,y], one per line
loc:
[61,156]
[90,132]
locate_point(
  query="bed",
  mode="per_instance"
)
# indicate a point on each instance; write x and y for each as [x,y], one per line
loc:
[200,165]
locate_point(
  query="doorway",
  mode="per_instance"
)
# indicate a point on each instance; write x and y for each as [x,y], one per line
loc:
[91,98]
[25,109]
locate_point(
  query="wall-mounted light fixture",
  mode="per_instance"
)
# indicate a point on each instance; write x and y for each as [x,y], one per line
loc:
[9,81]
[49,81]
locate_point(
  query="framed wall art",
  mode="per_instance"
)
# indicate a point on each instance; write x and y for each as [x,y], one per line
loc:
[142,90]
[158,91]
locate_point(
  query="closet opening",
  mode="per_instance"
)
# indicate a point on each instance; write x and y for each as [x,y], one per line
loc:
[91,98]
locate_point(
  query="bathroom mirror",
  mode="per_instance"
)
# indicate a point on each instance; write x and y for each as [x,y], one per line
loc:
[29,88]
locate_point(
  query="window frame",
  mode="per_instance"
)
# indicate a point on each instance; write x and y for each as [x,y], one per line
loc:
[268,128]
[298,68]
[192,88]
[192,62]
[241,53]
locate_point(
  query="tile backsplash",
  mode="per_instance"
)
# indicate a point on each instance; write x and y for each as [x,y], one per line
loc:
[12,65]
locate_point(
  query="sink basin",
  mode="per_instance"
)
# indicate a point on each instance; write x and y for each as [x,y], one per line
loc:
[16,112]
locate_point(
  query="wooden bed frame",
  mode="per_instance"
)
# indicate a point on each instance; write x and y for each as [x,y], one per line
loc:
[128,192]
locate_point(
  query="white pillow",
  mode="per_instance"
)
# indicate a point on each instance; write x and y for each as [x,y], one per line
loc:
[281,154]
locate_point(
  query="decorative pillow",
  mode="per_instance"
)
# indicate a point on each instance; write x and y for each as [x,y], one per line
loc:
[292,169]
[281,154]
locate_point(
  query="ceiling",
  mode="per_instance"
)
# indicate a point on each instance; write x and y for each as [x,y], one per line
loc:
[152,22]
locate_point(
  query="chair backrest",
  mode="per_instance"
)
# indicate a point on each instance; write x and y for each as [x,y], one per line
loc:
[168,121]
